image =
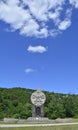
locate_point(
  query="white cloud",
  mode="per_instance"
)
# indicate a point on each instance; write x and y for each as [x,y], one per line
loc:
[74,3]
[29,70]
[37,49]
[14,15]
[32,17]
[64,24]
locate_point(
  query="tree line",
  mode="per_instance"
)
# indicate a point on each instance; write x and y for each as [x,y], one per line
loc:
[16,103]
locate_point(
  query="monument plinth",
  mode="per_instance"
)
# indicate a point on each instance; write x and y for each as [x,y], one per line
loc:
[38,99]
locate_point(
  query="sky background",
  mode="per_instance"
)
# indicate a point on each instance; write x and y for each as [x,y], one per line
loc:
[39,45]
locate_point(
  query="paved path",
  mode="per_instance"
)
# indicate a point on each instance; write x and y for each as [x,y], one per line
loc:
[30,125]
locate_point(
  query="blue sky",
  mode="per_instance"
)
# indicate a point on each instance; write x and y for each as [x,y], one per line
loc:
[39,45]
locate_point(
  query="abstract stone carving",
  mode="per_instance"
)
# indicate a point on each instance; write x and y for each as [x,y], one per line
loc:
[38,99]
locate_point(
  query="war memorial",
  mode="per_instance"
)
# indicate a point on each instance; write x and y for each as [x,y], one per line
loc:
[38,99]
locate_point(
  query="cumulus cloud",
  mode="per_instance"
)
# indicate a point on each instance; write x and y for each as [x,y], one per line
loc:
[32,17]
[29,70]
[37,49]
[74,3]
[63,25]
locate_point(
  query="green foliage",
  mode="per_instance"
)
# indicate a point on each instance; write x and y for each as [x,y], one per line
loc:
[1,116]
[15,103]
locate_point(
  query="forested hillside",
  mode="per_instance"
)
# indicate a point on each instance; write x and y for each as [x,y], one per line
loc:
[15,103]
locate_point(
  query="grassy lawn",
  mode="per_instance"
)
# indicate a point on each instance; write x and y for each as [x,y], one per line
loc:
[70,127]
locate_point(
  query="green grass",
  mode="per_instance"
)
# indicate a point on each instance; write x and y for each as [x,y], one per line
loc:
[70,127]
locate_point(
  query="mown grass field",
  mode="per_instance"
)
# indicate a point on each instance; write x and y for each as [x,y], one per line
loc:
[69,127]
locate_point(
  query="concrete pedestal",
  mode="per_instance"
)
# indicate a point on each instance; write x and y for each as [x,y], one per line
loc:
[37,111]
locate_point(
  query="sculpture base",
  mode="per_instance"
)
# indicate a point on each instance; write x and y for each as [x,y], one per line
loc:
[38,119]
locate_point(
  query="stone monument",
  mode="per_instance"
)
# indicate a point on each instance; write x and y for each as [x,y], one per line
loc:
[38,99]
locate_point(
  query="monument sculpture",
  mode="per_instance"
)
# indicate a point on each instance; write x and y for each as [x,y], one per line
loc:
[38,99]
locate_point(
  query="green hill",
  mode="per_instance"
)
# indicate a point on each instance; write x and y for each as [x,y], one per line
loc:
[15,103]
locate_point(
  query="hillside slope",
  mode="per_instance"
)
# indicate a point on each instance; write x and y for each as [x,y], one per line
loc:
[15,103]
